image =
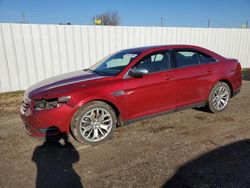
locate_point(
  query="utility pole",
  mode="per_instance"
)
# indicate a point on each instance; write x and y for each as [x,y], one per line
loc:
[23,18]
[163,20]
[208,23]
[246,24]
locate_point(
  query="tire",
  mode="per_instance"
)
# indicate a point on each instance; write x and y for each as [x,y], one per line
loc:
[219,97]
[94,123]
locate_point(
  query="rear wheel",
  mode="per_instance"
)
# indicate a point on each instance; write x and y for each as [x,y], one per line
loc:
[219,97]
[94,123]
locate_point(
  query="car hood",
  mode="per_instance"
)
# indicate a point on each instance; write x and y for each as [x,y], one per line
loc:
[61,80]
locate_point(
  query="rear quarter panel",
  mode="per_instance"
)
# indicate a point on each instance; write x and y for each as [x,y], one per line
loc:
[228,70]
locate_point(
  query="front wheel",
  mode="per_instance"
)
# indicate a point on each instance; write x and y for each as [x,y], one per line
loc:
[219,97]
[94,123]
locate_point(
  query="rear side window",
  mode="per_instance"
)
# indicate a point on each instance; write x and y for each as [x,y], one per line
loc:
[186,58]
[206,59]
[189,58]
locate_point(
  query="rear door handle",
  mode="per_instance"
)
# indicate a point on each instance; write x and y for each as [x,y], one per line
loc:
[167,77]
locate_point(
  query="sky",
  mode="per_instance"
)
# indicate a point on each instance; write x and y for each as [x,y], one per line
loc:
[175,13]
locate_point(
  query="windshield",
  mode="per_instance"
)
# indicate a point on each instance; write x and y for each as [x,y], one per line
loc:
[113,64]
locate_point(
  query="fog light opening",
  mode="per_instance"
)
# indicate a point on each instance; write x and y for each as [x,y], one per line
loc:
[49,131]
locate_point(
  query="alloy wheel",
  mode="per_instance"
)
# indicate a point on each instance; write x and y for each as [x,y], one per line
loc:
[220,97]
[96,124]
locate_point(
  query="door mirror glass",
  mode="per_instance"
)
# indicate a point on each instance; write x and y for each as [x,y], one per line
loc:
[138,72]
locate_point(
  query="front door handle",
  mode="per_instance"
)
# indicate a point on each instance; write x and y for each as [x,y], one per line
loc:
[209,70]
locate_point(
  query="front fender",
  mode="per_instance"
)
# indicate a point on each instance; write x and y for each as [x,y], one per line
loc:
[117,102]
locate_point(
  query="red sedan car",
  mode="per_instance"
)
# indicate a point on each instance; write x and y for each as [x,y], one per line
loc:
[129,85]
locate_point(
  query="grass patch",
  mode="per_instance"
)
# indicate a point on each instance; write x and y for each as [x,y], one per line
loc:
[10,102]
[246,74]
[7,95]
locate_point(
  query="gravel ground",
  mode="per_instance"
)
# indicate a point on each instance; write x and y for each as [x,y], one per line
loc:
[190,148]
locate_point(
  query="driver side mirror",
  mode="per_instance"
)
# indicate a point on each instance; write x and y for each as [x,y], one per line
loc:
[137,72]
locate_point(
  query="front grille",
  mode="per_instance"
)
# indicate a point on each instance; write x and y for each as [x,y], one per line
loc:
[25,105]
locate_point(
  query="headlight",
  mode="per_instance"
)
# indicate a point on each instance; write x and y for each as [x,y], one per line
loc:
[64,99]
[46,104]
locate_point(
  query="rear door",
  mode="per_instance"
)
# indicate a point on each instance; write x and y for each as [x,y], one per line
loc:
[192,77]
[154,92]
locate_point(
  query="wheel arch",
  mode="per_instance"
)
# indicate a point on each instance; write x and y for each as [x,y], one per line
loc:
[229,84]
[114,107]
[227,81]
[84,104]
[111,103]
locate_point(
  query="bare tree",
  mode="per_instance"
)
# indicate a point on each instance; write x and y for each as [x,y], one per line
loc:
[108,18]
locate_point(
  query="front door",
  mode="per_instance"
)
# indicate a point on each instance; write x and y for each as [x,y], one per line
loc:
[153,92]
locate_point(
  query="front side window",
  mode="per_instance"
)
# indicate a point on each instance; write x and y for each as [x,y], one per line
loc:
[114,64]
[155,62]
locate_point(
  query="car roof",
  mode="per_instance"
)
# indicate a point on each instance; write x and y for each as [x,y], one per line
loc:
[159,47]
[147,49]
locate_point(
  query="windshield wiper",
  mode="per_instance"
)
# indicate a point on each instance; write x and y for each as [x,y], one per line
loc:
[95,71]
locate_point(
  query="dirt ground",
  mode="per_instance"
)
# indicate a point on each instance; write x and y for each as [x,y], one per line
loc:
[191,148]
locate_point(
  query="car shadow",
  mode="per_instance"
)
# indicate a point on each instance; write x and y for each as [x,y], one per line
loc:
[227,166]
[54,160]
